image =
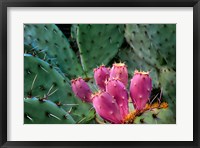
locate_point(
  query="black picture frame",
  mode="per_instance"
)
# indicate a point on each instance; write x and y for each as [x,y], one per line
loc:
[4,4]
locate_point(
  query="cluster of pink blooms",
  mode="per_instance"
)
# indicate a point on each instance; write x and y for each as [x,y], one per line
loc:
[111,101]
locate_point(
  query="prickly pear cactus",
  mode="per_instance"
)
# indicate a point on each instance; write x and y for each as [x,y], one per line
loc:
[164,38]
[137,37]
[156,44]
[98,39]
[44,81]
[153,48]
[49,40]
[167,81]
[38,111]
[156,116]
[67,84]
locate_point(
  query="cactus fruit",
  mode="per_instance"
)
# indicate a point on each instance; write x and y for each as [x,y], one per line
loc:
[140,89]
[113,106]
[163,77]
[119,71]
[81,89]
[41,111]
[106,106]
[98,39]
[118,91]
[50,62]
[101,75]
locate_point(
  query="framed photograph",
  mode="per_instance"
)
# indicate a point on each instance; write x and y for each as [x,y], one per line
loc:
[104,73]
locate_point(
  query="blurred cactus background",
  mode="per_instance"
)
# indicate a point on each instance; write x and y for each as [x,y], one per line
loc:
[75,73]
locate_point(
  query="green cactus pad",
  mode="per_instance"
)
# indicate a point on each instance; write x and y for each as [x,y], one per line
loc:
[164,38]
[167,81]
[137,37]
[83,113]
[48,39]
[44,112]
[156,116]
[154,43]
[98,44]
[41,79]
[133,62]
[29,50]
[92,85]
